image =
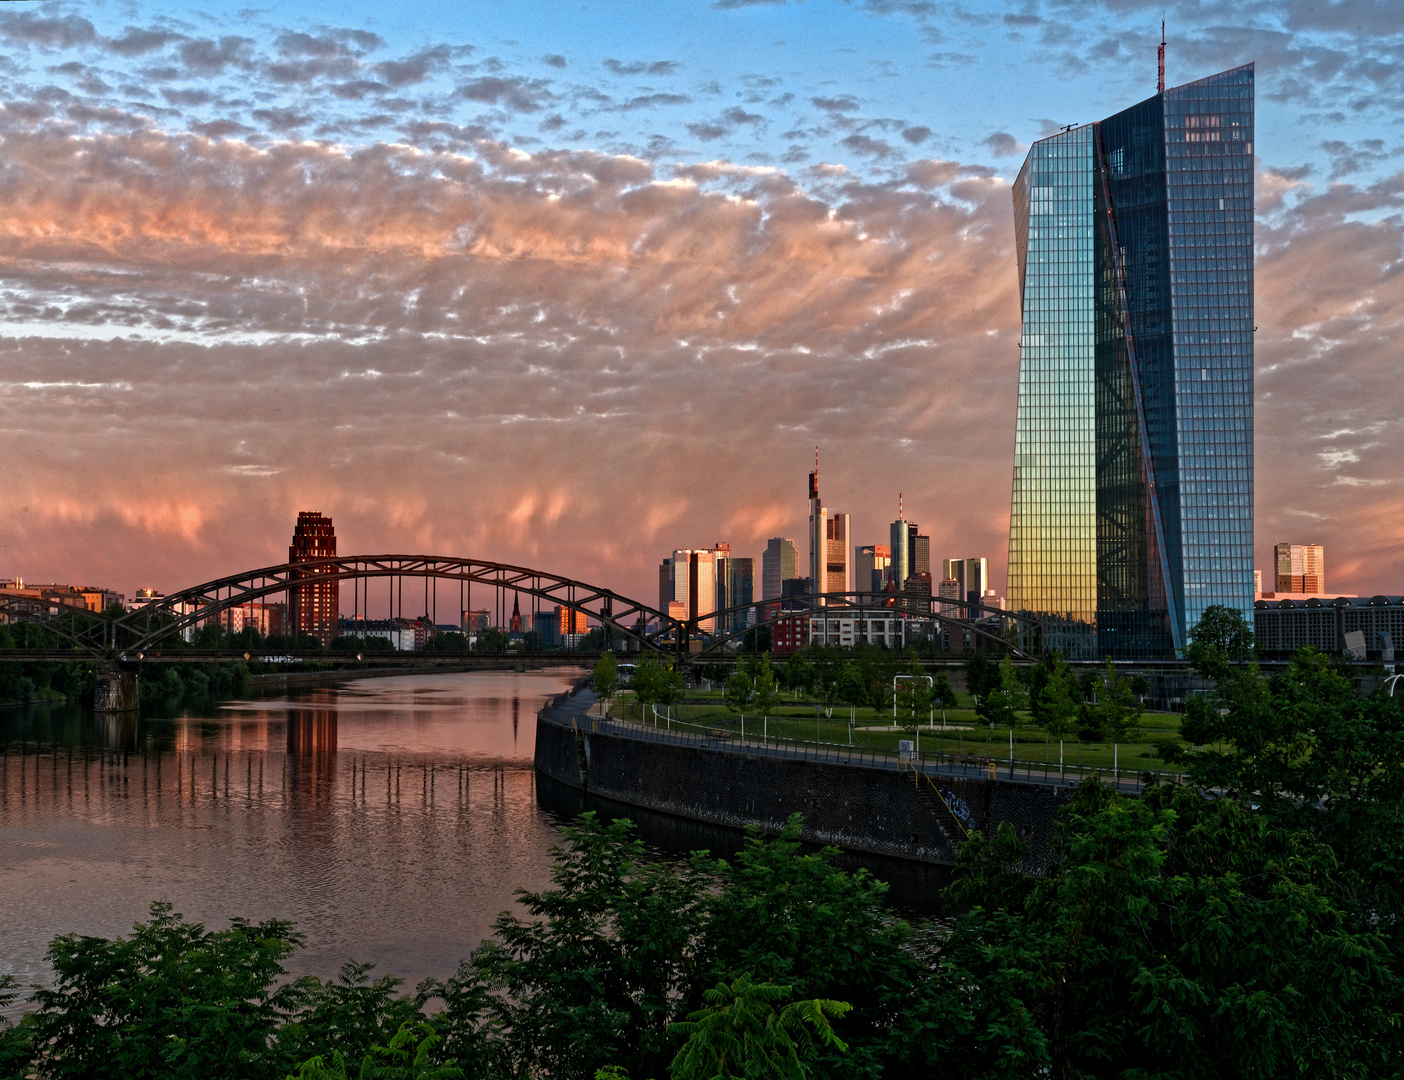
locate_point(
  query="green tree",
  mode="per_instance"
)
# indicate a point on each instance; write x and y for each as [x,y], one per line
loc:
[826,666]
[1222,636]
[597,972]
[350,1014]
[739,690]
[1116,712]
[654,683]
[981,676]
[765,693]
[914,697]
[491,640]
[606,679]
[818,929]
[739,1034]
[16,1041]
[1175,928]
[851,688]
[1000,706]
[171,1000]
[796,673]
[943,694]
[409,1055]
[1058,701]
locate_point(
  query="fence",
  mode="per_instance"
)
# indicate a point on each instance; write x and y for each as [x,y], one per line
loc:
[666,729]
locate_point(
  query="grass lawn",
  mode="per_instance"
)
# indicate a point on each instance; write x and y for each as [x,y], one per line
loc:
[964,734]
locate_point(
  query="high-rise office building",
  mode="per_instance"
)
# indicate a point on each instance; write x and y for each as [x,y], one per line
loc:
[779,563]
[830,539]
[954,570]
[921,555]
[976,579]
[312,608]
[870,568]
[901,535]
[689,578]
[740,589]
[838,559]
[1301,568]
[1133,463]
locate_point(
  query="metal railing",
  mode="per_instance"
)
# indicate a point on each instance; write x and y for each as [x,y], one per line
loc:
[940,763]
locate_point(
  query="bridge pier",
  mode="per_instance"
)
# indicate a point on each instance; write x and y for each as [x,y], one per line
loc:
[116,689]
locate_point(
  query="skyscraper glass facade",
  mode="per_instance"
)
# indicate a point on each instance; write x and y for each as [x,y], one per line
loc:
[1133,471]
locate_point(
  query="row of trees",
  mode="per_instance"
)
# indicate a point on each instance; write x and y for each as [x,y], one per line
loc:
[1249,922]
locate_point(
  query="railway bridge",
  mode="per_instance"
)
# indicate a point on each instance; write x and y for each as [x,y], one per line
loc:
[119,642]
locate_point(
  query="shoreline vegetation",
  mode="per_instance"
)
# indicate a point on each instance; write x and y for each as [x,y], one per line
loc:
[1248,921]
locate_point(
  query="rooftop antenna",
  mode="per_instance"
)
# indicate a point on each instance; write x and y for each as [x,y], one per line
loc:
[899,507]
[1160,58]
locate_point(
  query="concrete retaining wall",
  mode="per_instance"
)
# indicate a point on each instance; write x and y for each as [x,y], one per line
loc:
[855,807]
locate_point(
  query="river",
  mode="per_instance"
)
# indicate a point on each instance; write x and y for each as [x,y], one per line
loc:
[391,819]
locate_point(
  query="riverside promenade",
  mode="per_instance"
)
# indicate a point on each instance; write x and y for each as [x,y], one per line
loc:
[860,800]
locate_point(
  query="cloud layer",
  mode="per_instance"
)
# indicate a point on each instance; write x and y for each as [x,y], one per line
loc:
[243,274]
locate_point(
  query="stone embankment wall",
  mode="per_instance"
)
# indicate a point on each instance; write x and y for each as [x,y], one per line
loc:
[856,807]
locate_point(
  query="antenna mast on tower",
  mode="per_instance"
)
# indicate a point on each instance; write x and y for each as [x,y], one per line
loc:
[1160,57]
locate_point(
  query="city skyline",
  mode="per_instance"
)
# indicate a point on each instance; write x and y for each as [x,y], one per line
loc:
[221,309]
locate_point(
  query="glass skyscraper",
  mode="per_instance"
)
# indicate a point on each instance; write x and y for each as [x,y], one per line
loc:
[1133,459]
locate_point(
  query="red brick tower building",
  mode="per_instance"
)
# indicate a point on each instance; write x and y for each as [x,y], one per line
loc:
[312,609]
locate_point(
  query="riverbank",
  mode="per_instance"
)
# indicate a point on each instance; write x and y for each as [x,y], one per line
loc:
[857,801]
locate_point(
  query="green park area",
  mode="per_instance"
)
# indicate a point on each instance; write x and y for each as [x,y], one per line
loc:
[1045,716]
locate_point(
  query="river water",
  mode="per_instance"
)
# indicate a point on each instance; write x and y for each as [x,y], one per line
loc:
[391,819]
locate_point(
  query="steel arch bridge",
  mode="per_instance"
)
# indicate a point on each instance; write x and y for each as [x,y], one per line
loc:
[109,636]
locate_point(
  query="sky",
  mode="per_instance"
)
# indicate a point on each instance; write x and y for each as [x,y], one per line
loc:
[570,285]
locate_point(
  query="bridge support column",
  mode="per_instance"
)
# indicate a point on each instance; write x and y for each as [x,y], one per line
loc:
[116,689]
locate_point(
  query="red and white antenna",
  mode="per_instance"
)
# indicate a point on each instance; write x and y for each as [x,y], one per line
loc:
[1160,57]
[899,507]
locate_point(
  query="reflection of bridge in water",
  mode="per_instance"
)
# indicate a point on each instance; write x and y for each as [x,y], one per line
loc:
[120,642]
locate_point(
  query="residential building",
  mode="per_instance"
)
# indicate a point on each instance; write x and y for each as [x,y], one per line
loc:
[88,596]
[949,589]
[850,626]
[270,620]
[779,562]
[789,634]
[312,608]
[1132,505]
[1301,568]
[404,635]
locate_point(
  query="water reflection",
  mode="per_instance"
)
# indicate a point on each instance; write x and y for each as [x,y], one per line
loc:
[115,731]
[392,819]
